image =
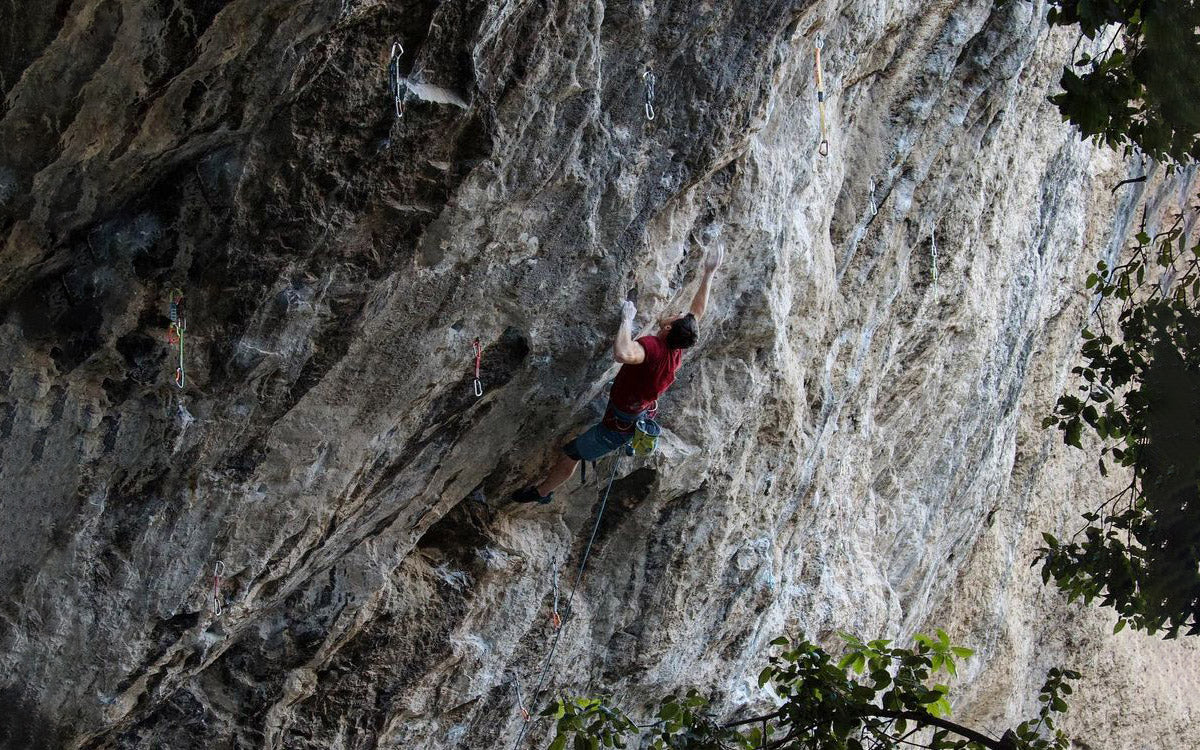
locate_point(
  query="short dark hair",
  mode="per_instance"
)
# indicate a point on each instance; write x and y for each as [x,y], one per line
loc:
[683,332]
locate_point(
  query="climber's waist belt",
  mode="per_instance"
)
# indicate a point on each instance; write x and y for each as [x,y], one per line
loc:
[624,422]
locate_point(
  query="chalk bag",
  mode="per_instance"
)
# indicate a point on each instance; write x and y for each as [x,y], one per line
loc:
[645,437]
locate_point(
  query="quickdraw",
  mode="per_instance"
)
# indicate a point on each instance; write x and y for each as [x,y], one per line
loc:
[478,359]
[218,576]
[174,301]
[933,254]
[555,617]
[521,702]
[823,149]
[395,83]
[176,330]
[180,327]
[873,204]
[648,81]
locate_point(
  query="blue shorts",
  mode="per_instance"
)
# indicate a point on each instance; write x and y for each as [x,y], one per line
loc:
[596,442]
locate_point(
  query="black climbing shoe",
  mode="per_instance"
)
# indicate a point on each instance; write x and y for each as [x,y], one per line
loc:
[530,495]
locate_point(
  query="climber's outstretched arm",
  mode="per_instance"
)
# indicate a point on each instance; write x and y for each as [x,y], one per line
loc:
[712,261]
[625,349]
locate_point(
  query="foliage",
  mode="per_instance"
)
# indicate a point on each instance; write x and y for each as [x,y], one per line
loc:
[1140,395]
[875,696]
[1143,90]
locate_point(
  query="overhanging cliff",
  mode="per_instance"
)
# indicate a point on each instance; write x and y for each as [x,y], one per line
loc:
[853,445]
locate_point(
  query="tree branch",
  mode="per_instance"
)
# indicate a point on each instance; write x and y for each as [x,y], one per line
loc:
[926,718]
[752,720]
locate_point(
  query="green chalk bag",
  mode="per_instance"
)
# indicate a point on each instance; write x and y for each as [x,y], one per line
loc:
[645,437]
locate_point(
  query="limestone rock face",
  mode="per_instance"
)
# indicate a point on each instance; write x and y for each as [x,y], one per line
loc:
[307,545]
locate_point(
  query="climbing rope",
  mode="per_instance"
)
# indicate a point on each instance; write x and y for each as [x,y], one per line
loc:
[587,551]
[478,359]
[648,82]
[395,85]
[823,149]
[218,576]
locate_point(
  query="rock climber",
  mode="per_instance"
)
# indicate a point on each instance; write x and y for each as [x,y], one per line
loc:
[648,366]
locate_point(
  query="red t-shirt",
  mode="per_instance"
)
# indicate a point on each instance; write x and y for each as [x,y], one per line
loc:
[638,386]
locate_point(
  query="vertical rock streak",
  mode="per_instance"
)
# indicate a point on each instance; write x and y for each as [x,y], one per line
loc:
[853,445]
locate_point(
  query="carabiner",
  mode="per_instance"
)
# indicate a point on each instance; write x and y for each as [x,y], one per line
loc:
[648,80]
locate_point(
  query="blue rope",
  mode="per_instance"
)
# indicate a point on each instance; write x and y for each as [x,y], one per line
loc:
[587,551]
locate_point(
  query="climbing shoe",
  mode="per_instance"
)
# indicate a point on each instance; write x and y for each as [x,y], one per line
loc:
[530,495]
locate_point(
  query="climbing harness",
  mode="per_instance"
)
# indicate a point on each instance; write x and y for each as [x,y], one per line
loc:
[395,85]
[823,149]
[218,576]
[587,551]
[555,618]
[478,359]
[176,329]
[648,81]
[645,438]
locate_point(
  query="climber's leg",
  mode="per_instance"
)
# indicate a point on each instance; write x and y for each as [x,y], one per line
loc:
[589,446]
[563,469]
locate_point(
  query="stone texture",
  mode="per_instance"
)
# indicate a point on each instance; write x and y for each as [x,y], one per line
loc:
[853,445]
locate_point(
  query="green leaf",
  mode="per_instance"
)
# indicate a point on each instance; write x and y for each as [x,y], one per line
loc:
[1118,627]
[1073,434]
[560,742]
[765,676]
[859,663]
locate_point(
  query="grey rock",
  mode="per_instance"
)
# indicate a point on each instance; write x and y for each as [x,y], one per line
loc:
[854,444]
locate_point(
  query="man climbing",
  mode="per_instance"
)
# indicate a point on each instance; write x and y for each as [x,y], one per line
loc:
[648,368]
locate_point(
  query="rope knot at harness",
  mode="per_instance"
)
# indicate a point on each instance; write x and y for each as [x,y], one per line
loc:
[478,359]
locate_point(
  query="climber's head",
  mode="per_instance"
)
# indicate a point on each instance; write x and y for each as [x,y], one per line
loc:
[679,331]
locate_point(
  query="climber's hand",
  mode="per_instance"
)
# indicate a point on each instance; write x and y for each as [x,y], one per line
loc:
[628,311]
[712,260]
